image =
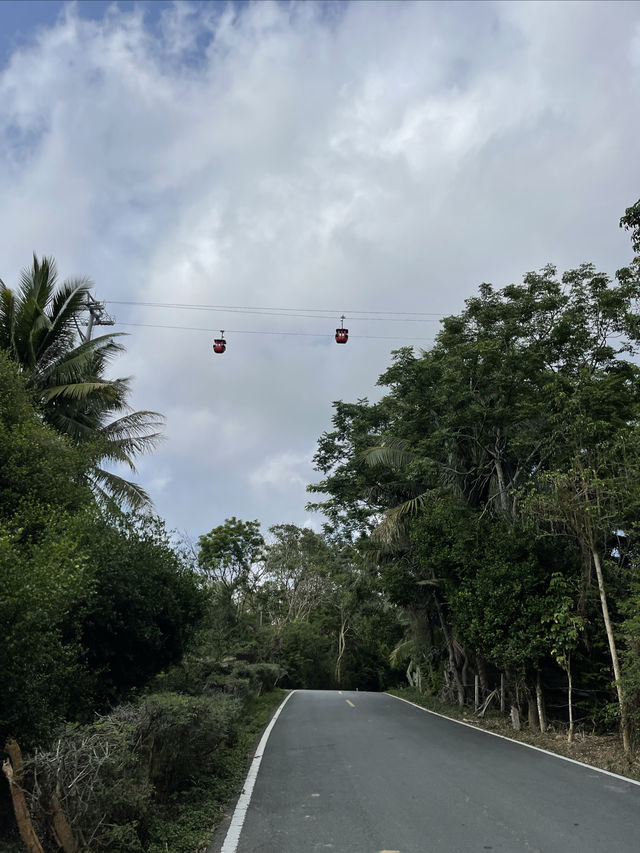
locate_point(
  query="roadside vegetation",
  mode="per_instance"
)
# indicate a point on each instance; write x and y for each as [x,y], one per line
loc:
[480,547]
[494,491]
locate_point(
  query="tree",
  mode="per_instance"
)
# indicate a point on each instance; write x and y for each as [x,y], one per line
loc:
[39,469]
[230,555]
[44,573]
[147,601]
[527,385]
[565,627]
[588,499]
[67,376]
[297,571]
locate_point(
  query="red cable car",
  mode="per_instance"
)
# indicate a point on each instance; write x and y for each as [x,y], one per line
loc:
[219,344]
[342,334]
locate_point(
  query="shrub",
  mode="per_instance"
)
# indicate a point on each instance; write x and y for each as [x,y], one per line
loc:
[198,674]
[182,734]
[102,786]
[108,776]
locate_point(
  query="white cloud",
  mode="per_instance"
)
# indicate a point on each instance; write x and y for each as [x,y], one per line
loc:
[365,156]
[282,471]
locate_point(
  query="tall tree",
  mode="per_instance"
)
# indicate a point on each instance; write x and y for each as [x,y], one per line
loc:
[67,375]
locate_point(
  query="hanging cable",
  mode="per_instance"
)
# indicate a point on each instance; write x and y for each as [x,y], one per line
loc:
[270,332]
[309,313]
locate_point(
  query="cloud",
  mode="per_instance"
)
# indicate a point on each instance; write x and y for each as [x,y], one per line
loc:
[282,471]
[350,157]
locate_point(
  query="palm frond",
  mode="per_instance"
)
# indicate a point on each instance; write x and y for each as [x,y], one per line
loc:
[109,486]
[61,366]
[404,650]
[135,423]
[7,317]
[391,528]
[393,453]
[74,390]
[69,300]
[38,282]
[68,420]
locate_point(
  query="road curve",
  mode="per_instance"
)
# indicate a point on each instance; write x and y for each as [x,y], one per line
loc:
[364,773]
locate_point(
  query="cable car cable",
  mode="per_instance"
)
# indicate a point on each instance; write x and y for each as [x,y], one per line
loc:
[321,313]
[271,332]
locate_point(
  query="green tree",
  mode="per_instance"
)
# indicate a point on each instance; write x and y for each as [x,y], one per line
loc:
[231,554]
[527,384]
[297,571]
[147,601]
[44,574]
[565,628]
[39,328]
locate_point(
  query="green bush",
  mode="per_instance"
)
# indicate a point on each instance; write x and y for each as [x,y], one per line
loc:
[181,736]
[198,674]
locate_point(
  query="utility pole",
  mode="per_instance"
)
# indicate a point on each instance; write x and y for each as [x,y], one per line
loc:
[97,317]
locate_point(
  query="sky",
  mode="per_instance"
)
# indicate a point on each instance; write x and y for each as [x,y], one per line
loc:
[301,161]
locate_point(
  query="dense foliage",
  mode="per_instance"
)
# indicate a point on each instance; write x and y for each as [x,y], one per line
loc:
[495,489]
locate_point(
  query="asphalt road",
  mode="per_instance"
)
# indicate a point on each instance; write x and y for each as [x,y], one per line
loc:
[365,773]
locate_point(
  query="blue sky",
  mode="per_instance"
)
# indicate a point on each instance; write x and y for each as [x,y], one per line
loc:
[20,19]
[361,157]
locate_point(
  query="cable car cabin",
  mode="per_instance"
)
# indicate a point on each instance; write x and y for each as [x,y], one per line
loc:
[342,336]
[219,345]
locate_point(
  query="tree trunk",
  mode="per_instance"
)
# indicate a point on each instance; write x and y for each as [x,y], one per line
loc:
[61,827]
[542,717]
[482,675]
[570,679]
[409,676]
[13,771]
[341,647]
[504,497]
[624,722]
[452,656]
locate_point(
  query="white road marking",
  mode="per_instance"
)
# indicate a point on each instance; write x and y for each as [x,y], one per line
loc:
[233,834]
[520,742]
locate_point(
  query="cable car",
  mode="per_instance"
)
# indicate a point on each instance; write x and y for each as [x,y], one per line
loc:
[219,344]
[342,334]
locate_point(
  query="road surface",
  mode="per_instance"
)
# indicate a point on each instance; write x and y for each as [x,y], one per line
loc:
[365,773]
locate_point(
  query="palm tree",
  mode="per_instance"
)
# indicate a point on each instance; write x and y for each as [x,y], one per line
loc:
[39,328]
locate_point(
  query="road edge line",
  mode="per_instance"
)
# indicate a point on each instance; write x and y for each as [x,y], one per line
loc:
[519,742]
[237,821]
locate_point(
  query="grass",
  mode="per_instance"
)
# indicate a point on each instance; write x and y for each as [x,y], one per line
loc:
[186,824]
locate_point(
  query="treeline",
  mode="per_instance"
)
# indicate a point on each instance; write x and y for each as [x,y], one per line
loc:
[301,600]
[495,491]
[131,662]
